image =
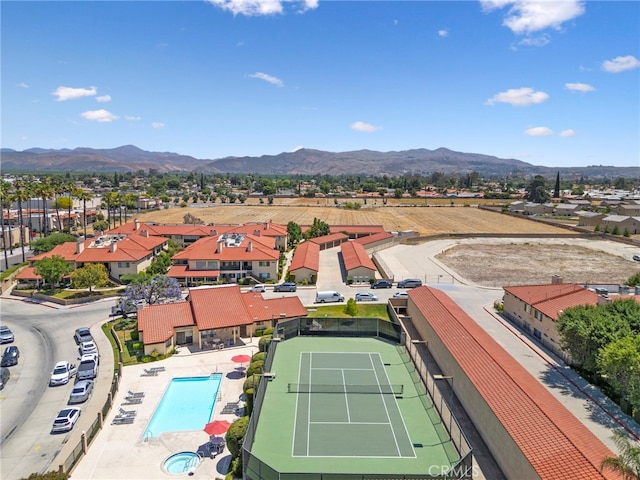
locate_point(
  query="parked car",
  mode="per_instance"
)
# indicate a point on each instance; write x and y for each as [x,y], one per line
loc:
[81,391]
[62,373]
[258,287]
[88,347]
[88,367]
[366,297]
[329,296]
[285,287]
[65,420]
[83,334]
[6,335]
[636,258]
[10,356]
[401,295]
[4,377]
[382,284]
[409,283]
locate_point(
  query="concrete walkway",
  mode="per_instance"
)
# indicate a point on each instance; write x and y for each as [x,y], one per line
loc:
[122,452]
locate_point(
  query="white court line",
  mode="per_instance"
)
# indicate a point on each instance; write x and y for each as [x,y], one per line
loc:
[384,402]
[295,418]
[346,398]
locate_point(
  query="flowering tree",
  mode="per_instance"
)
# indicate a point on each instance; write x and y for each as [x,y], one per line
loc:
[150,290]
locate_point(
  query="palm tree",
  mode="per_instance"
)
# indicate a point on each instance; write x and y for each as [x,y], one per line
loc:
[45,191]
[84,196]
[58,189]
[627,463]
[21,194]
[4,200]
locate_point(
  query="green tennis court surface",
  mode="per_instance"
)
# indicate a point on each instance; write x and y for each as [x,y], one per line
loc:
[347,406]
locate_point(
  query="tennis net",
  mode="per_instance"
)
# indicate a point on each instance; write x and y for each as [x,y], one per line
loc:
[397,389]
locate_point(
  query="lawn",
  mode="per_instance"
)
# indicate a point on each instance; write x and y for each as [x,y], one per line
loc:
[364,311]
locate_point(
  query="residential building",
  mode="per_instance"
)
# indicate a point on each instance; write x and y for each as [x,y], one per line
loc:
[305,263]
[212,317]
[621,223]
[357,263]
[227,257]
[330,241]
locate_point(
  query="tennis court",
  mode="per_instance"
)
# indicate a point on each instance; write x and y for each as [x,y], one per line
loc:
[344,396]
[345,407]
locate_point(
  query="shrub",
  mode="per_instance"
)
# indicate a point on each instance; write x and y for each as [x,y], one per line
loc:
[499,306]
[259,356]
[135,335]
[269,331]
[264,342]
[137,345]
[235,436]
[255,368]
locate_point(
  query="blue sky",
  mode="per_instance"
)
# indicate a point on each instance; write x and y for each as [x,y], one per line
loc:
[553,83]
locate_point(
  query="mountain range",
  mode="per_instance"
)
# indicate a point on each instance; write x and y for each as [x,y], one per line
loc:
[130,158]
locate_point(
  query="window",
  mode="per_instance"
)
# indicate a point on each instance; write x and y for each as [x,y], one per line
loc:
[537,315]
[201,265]
[212,265]
[264,264]
[123,264]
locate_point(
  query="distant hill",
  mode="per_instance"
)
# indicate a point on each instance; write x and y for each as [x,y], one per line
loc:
[304,162]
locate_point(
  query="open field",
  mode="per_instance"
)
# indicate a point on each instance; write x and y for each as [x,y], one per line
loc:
[425,220]
[492,263]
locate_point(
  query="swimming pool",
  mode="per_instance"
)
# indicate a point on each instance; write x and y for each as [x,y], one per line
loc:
[187,404]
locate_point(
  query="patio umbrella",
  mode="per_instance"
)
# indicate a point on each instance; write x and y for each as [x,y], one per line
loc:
[217,427]
[240,358]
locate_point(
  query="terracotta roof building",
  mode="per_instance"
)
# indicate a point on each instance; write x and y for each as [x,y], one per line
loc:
[357,263]
[212,317]
[329,241]
[529,432]
[305,262]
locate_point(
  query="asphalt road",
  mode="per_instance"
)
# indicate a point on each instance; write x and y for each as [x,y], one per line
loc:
[28,405]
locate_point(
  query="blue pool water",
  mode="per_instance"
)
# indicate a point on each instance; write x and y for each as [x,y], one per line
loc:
[181,462]
[187,404]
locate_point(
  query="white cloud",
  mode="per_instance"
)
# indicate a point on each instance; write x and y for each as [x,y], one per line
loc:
[103,98]
[157,125]
[23,85]
[567,133]
[579,87]
[527,16]
[538,131]
[132,118]
[364,127]
[295,149]
[70,93]
[620,64]
[518,97]
[263,7]
[443,32]
[101,116]
[538,41]
[268,78]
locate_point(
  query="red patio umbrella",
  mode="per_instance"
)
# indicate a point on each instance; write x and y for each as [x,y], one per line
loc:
[241,358]
[217,427]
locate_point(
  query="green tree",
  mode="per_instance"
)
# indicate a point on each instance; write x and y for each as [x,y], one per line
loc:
[52,475]
[351,308]
[295,232]
[63,202]
[619,362]
[234,438]
[633,280]
[556,189]
[318,229]
[627,463]
[47,244]
[52,269]
[100,226]
[537,191]
[89,276]
[160,264]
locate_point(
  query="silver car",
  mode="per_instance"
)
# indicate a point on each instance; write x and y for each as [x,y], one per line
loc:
[6,335]
[366,297]
[81,391]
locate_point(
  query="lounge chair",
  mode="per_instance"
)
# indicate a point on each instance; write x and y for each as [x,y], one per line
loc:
[149,373]
[132,401]
[119,420]
[127,413]
[156,369]
[135,394]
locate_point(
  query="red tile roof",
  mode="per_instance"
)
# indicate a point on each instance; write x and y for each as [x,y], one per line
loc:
[557,444]
[552,298]
[252,248]
[359,229]
[157,322]
[28,273]
[376,237]
[332,237]
[182,271]
[65,250]
[307,255]
[354,255]
[266,229]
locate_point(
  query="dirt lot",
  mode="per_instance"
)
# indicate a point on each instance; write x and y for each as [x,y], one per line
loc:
[425,220]
[518,263]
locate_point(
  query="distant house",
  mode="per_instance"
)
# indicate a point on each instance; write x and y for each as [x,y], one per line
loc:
[357,263]
[517,207]
[589,219]
[622,223]
[631,210]
[212,317]
[305,263]
[567,209]
[531,208]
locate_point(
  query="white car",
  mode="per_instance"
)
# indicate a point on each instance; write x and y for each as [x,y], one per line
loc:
[62,373]
[65,420]
[366,297]
[401,295]
[258,287]
[88,347]
[81,391]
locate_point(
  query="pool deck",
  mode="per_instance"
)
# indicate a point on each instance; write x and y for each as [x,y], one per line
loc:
[120,451]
